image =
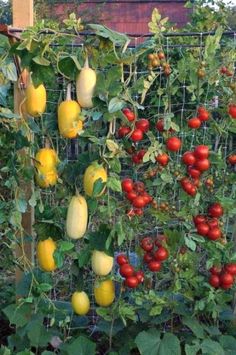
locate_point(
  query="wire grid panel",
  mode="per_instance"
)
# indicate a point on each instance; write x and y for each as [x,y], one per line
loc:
[182,110]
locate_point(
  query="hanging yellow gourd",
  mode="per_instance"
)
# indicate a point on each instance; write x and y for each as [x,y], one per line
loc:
[77,217]
[80,303]
[45,250]
[85,85]
[101,263]
[36,98]
[104,293]
[93,173]
[69,122]
[45,162]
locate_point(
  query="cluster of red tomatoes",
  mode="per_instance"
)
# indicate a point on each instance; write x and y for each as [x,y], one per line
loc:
[208,225]
[232,110]
[132,278]
[155,253]
[197,162]
[202,116]
[223,277]
[225,71]
[137,195]
[140,128]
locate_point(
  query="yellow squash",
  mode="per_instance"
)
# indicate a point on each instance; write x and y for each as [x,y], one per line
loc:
[36,98]
[80,303]
[104,293]
[69,122]
[93,173]
[101,263]
[46,160]
[45,180]
[44,251]
[85,85]
[77,217]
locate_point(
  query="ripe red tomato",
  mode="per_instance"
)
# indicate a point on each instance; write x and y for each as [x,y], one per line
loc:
[199,219]
[147,244]
[139,186]
[126,270]
[226,278]
[231,268]
[162,159]
[147,257]
[140,276]
[136,159]
[214,233]
[232,110]
[214,281]
[141,153]
[138,202]
[188,158]
[215,270]
[123,131]
[223,70]
[161,254]
[160,125]
[192,191]
[147,198]
[121,259]
[173,144]
[201,152]
[216,210]
[202,229]
[138,211]
[196,182]
[142,124]
[225,286]
[154,265]
[194,123]
[131,282]
[127,185]
[194,173]
[213,223]
[131,195]
[129,114]
[202,165]
[188,187]
[232,159]
[137,135]
[203,114]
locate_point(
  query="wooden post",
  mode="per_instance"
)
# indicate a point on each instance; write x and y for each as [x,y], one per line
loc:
[23,17]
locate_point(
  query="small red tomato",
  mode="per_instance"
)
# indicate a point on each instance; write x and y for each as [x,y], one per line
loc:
[160,239]
[160,125]
[202,229]
[214,281]
[142,124]
[173,144]
[121,259]
[203,114]
[202,165]
[147,198]
[154,265]
[216,210]
[138,202]
[215,270]
[129,114]
[194,123]
[139,186]
[131,282]
[231,268]
[137,135]
[127,185]
[232,110]
[201,152]
[147,244]
[126,270]
[213,223]
[225,286]
[214,233]
[136,159]
[140,276]
[196,182]
[226,278]
[162,159]
[194,173]
[223,70]
[123,131]
[147,257]
[188,158]
[138,211]
[199,219]
[131,195]
[161,254]
[141,153]
[192,191]
[232,159]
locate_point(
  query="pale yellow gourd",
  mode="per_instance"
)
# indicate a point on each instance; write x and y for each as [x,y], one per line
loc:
[36,98]
[104,293]
[85,85]
[77,217]
[101,263]
[93,173]
[69,122]
[45,250]
[80,303]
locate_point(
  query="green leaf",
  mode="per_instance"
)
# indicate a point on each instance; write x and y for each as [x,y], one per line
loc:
[18,315]
[9,71]
[105,32]
[59,258]
[21,205]
[170,345]
[37,333]
[65,246]
[41,60]
[210,347]
[114,184]
[228,342]
[98,187]
[195,327]
[44,287]
[148,342]
[192,349]
[69,66]
[81,346]
[190,243]
[115,105]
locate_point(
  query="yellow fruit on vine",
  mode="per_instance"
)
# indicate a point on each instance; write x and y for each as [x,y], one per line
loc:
[101,263]
[36,98]
[80,303]
[46,160]
[93,173]
[85,85]
[44,251]
[104,293]
[77,217]
[69,122]
[45,180]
